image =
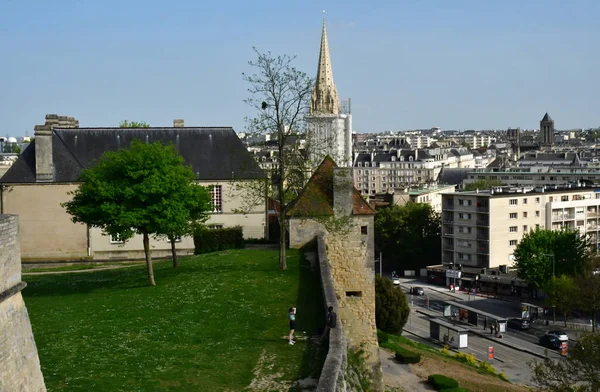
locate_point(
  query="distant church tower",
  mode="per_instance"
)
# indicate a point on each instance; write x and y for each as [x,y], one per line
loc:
[329,131]
[547,131]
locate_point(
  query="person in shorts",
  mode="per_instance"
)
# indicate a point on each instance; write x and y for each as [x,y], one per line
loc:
[292,317]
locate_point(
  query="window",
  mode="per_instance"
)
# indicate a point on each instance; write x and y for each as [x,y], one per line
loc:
[513,215]
[215,227]
[525,201]
[564,198]
[551,199]
[524,214]
[116,239]
[470,202]
[364,230]
[537,200]
[513,202]
[525,228]
[537,214]
[512,243]
[461,202]
[513,229]
[216,198]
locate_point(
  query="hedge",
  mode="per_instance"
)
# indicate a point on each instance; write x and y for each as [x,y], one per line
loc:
[406,356]
[441,382]
[213,240]
[457,389]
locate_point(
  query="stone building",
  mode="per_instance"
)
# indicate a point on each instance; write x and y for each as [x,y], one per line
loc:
[49,168]
[330,205]
[547,131]
[19,362]
[329,131]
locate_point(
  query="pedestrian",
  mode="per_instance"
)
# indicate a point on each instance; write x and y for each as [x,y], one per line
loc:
[331,322]
[292,317]
[485,323]
[491,329]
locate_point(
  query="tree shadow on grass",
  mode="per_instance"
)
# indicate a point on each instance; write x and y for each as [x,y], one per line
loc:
[310,302]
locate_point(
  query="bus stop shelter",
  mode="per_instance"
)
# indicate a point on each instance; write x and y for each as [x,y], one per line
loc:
[448,333]
[531,312]
[473,316]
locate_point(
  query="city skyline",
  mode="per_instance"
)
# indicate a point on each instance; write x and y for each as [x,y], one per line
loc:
[456,66]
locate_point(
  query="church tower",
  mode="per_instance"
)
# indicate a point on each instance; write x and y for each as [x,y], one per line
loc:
[547,131]
[329,131]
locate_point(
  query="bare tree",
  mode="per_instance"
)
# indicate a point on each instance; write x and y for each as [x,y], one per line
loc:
[280,93]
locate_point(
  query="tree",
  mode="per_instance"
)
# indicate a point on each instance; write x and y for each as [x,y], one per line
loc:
[482,184]
[134,191]
[542,254]
[579,372]
[391,307]
[561,293]
[280,94]
[588,290]
[133,124]
[189,208]
[409,236]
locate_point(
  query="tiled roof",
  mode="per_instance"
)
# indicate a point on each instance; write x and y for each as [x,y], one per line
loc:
[213,153]
[316,199]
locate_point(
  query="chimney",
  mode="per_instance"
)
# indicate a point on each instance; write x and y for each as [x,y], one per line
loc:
[44,163]
[343,191]
[178,123]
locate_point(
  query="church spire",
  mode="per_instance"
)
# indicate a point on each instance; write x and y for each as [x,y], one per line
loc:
[324,96]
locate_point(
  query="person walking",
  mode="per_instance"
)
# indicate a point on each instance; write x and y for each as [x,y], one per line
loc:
[331,322]
[292,317]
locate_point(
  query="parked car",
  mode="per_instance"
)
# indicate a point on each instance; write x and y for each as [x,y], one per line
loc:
[551,342]
[560,335]
[396,281]
[417,291]
[517,323]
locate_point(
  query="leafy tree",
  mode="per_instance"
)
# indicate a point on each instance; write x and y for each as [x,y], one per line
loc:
[482,184]
[189,208]
[391,307]
[588,290]
[135,191]
[542,254]
[133,124]
[561,293]
[409,235]
[280,94]
[579,372]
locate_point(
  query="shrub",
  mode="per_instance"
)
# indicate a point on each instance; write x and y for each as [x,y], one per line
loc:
[391,308]
[407,356]
[486,367]
[457,389]
[466,358]
[441,382]
[445,350]
[502,376]
[208,240]
[382,337]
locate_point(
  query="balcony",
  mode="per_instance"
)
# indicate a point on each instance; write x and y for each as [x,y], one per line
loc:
[482,222]
[592,215]
[485,210]
[483,251]
[448,234]
[448,207]
[591,227]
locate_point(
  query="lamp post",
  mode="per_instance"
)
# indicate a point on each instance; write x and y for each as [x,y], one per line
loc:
[553,276]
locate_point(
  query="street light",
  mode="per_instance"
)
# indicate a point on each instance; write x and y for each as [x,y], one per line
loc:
[553,275]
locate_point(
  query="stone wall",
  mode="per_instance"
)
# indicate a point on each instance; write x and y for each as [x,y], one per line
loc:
[336,363]
[19,363]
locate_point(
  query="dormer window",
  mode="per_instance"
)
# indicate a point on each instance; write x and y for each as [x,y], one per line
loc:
[359,164]
[410,158]
[393,159]
[401,158]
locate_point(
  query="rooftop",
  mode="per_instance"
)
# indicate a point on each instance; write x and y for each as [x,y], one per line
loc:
[538,190]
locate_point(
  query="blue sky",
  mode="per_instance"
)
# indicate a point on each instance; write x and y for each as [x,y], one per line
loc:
[461,64]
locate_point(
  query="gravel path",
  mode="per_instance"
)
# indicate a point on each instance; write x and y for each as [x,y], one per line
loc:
[398,377]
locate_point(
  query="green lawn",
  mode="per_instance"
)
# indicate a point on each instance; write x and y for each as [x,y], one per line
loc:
[216,323]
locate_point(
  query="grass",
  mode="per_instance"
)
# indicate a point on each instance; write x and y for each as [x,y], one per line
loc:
[216,323]
[472,377]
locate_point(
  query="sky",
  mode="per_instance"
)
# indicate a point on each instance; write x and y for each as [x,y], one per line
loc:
[460,64]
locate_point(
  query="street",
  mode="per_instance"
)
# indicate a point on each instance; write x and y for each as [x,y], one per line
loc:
[513,360]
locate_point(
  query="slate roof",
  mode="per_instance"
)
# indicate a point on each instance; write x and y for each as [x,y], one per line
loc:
[316,199]
[547,117]
[453,175]
[213,153]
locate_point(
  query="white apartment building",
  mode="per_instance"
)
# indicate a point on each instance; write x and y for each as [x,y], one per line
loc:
[431,195]
[482,229]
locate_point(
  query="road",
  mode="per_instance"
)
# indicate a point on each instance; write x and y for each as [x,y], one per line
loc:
[512,361]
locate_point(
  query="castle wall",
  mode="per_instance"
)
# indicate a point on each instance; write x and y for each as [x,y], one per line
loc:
[19,363]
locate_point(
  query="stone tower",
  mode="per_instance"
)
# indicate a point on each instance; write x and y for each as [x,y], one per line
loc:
[547,131]
[329,131]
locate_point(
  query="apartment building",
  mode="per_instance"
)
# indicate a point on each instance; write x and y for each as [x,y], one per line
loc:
[482,229]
